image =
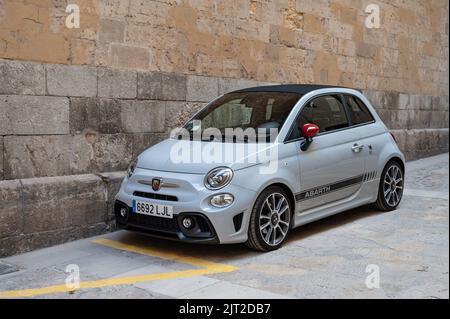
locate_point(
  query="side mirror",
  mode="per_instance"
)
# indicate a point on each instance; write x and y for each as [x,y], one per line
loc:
[308,132]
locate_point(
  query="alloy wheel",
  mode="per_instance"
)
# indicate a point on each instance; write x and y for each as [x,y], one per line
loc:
[393,185]
[274,220]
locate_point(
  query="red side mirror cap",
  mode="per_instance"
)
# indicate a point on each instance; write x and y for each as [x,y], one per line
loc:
[310,130]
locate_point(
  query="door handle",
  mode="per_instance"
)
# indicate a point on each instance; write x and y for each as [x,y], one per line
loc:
[356,148]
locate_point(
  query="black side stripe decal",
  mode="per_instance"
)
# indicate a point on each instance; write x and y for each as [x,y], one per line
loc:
[326,189]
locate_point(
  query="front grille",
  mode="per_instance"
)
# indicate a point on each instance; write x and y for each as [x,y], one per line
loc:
[163,224]
[169,198]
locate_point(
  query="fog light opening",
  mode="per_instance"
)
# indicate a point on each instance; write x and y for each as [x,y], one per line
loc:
[222,200]
[187,222]
[123,212]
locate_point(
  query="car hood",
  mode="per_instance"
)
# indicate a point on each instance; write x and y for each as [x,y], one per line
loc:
[185,156]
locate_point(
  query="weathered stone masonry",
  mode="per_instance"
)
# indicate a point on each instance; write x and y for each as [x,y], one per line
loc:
[77,105]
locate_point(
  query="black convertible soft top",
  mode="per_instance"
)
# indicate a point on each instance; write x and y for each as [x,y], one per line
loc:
[288,88]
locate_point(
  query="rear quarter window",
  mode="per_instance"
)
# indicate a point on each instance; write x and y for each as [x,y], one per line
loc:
[358,111]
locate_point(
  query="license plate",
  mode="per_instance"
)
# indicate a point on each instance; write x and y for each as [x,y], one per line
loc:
[152,209]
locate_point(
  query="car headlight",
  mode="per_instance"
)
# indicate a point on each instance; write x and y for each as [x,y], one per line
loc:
[132,167]
[218,178]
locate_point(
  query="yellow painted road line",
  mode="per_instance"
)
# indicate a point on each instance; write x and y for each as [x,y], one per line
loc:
[105,282]
[207,267]
[165,255]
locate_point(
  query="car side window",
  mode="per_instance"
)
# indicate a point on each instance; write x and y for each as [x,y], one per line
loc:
[326,111]
[358,111]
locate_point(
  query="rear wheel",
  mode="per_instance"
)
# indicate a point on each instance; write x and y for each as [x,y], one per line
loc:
[270,220]
[391,187]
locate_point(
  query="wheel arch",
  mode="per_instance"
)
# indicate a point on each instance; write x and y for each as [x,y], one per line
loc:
[396,159]
[399,161]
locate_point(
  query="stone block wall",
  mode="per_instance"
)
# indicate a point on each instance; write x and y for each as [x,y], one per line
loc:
[39,212]
[91,120]
[76,105]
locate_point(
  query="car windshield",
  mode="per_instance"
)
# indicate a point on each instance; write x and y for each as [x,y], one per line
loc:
[261,113]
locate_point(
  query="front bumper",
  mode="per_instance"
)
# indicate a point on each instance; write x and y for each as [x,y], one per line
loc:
[166,228]
[188,197]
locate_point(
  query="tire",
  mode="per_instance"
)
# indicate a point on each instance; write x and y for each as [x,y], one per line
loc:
[390,190]
[279,219]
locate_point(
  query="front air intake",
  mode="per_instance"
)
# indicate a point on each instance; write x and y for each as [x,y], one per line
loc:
[237,221]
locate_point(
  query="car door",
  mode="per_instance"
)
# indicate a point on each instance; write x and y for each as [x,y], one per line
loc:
[331,169]
[370,131]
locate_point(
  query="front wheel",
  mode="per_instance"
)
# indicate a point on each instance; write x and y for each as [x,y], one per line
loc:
[270,220]
[391,187]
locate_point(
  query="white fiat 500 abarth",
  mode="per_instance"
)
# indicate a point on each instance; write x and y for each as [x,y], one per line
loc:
[255,163]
